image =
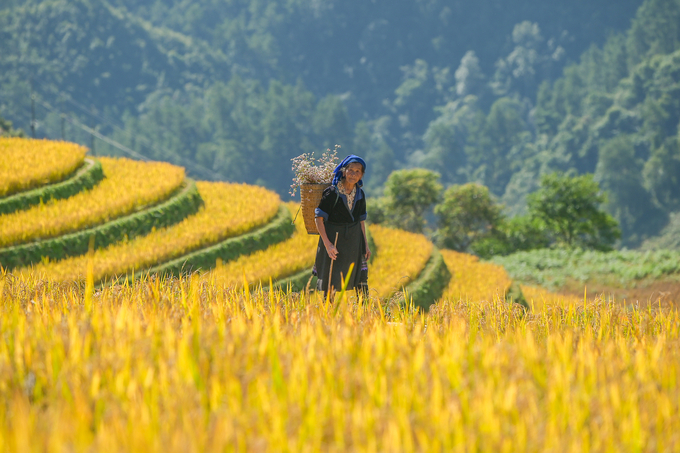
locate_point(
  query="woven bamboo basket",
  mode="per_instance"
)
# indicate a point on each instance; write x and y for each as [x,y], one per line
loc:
[310,196]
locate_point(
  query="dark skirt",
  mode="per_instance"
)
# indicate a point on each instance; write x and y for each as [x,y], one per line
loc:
[351,249]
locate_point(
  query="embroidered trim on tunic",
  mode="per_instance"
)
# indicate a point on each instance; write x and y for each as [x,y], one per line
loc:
[350,196]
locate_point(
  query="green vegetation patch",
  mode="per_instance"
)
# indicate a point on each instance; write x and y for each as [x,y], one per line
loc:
[183,202]
[555,268]
[279,229]
[430,284]
[86,177]
[516,296]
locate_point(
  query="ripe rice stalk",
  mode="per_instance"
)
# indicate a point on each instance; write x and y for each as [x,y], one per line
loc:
[400,258]
[277,261]
[28,163]
[474,279]
[128,186]
[229,210]
[188,365]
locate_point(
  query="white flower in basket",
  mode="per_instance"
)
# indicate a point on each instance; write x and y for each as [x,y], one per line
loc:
[312,177]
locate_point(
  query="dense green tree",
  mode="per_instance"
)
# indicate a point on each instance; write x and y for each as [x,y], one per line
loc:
[547,114]
[503,131]
[471,220]
[331,123]
[616,113]
[286,114]
[561,100]
[409,196]
[6,129]
[615,61]
[530,60]
[369,142]
[466,214]
[422,88]
[237,131]
[469,76]
[448,139]
[523,182]
[570,209]
[512,235]
[97,55]
[229,89]
[660,109]
[619,172]
[654,30]
[568,145]
[525,233]
[377,209]
[661,175]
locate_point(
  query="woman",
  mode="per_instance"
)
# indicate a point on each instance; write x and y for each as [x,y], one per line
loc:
[340,216]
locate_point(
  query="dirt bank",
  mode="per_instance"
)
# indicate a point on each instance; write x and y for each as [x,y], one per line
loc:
[663,292]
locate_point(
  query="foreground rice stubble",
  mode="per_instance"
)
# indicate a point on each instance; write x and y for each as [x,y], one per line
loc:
[186,365]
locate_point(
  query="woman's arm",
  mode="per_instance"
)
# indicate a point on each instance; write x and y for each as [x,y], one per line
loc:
[363,230]
[330,248]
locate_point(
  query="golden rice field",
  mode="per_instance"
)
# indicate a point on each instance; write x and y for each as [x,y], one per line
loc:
[539,298]
[229,210]
[187,366]
[202,364]
[128,186]
[26,164]
[399,259]
[474,280]
[276,262]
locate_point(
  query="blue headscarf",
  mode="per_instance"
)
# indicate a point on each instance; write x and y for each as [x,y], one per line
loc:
[337,173]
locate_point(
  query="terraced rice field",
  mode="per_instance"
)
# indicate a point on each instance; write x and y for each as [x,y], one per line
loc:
[129,186]
[25,164]
[473,279]
[400,256]
[201,363]
[540,299]
[229,210]
[190,366]
[276,262]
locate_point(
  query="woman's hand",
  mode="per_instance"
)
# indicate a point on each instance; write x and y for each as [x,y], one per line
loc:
[331,250]
[368,253]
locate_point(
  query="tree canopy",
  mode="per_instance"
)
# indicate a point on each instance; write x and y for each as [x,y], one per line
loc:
[487,92]
[570,209]
[466,214]
[409,195]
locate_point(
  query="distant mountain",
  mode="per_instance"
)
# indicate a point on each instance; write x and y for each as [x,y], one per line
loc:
[486,91]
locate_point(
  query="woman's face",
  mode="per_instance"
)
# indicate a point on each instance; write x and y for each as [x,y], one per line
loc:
[354,172]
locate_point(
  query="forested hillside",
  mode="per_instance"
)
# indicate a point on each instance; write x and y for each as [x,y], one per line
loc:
[494,92]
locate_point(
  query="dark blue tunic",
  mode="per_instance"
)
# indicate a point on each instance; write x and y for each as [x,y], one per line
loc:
[346,224]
